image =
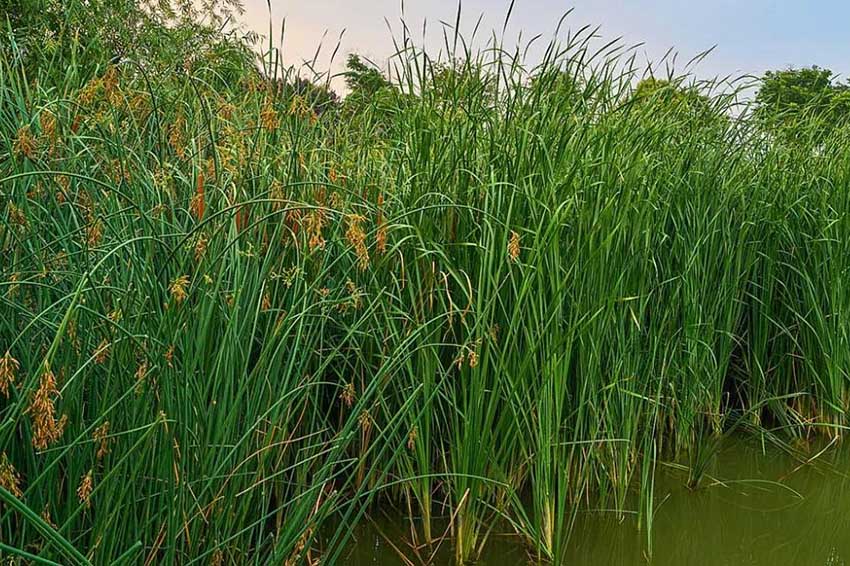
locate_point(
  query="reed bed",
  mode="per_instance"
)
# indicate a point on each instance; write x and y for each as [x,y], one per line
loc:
[233,323]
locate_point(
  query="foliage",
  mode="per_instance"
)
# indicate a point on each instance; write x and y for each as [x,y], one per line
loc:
[93,33]
[231,323]
[362,79]
[673,96]
[802,102]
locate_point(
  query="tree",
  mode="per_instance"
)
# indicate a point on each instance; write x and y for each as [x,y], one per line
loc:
[671,93]
[797,105]
[95,33]
[682,101]
[362,79]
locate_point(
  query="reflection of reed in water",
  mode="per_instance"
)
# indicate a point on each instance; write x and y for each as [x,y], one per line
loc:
[756,507]
[834,559]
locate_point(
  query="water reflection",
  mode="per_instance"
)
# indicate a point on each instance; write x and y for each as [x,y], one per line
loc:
[762,508]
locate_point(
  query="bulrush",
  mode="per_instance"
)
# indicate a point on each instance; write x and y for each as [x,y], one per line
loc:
[513,246]
[176,136]
[201,247]
[357,238]
[101,353]
[8,372]
[110,80]
[94,232]
[101,437]
[85,489]
[277,194]
[381,233]
[17,216]
[268,117]
[348,394]
[47,121]
[243,215]
[25,144]
[313,224]
[365,421]
[10,480]
[46,429]
[198,204]
[141,374]
[178,288]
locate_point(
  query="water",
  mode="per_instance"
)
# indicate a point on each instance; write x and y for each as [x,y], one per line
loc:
[763,508]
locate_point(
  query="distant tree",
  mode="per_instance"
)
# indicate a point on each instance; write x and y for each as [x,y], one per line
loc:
[670,92]
[461,81]
[370,96]
[363,80]
[98,32]
[797,105]
[683,100]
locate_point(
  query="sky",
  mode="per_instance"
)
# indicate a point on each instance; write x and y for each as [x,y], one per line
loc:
[748,36]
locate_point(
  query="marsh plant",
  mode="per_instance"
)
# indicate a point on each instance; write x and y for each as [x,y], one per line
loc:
[238,314]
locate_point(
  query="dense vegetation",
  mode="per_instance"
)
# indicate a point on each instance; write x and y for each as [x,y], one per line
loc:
[237,312]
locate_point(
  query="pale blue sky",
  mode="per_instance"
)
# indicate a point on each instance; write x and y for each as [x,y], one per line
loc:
[751,35]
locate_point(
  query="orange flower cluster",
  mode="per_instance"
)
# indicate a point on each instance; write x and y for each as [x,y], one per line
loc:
[46,428]
[357,238]
[8,371]
[313,224]
[268,117]
[513,247]
[85,489]
[25,143]
[10,480]
[178,288]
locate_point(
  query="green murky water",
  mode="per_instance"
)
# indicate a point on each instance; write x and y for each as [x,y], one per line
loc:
[759,508]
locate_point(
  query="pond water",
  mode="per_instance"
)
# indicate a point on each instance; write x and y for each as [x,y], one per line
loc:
[759,507]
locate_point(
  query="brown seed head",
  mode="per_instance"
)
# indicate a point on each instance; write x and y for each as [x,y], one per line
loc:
[198,204]
[101,436]
[46,428]
[348,394]
[10,480]
[201,247]
[513,246]
[411,437]
[25,144]
[268,117]
[8,372]
[365,421]
[357,238]
[141,374]
[94,233]
[17,216]
[177,137]
[101,353]
[178,288]
[85,489]
[313,224]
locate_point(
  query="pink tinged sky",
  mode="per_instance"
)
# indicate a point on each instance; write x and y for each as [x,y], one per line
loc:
[751,35]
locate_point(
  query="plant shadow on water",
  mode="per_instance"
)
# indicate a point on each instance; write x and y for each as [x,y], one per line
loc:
[757,506]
